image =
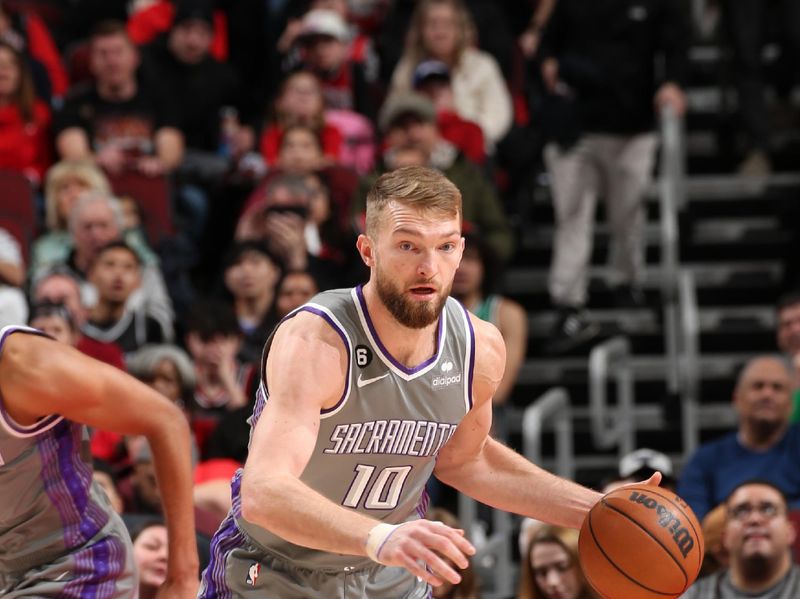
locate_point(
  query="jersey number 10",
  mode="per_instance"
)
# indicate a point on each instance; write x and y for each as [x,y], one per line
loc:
[384,492]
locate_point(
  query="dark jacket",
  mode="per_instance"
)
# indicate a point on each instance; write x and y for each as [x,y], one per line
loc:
[615,54]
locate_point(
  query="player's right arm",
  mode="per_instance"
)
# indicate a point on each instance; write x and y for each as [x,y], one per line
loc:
[306,371]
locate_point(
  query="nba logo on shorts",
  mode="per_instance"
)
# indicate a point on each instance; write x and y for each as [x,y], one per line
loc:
[252,574]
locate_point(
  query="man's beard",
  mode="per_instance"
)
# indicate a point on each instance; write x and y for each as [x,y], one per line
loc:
[414,315]
[757,568]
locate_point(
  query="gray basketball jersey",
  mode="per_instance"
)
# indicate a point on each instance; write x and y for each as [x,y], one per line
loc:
[378,445]
[49,505]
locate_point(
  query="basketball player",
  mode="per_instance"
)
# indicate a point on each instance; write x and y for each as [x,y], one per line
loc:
[366,392]
[59,536]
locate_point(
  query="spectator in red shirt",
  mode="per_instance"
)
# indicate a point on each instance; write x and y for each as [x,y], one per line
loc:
[62,288]
[29,35]
[432,78]
[24,120]
[300,102]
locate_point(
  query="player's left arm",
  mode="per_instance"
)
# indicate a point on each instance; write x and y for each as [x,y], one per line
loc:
[480,467]
[40,377]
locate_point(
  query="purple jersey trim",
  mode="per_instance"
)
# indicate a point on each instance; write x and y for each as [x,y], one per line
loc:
[5,419]
[98,568]
[225,540]
[67,481]
[440,336]
[424,502]
[345,340]
[471,332]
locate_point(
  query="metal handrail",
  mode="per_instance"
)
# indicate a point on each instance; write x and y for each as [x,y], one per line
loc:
[672,196]
[617,426]
[497,551]
[553,404]
[689,360]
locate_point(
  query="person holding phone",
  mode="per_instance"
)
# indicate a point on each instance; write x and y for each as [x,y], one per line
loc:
[286,217]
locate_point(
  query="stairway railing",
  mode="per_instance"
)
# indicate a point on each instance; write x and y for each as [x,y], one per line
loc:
[689,360]
[553,405]
[495,554]
[615,425]
[672,197]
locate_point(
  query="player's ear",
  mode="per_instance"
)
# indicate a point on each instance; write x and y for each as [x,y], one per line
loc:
[366,250]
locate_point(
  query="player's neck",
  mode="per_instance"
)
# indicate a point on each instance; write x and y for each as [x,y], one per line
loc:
[408,346]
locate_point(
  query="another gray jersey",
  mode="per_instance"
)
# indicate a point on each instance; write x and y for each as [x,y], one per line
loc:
[49,506]
[378,445]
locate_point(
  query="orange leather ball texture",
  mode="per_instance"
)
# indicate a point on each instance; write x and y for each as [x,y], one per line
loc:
[641,542]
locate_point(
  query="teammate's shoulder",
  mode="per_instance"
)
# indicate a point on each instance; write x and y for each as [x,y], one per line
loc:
[20,343]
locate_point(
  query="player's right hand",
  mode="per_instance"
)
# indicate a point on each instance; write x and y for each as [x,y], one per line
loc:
[427,549]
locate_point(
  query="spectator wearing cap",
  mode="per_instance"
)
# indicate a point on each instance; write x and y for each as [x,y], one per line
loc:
[765,445]
[251,274]
[442,30]
[408,122]
[643,463]
[432,78]
[348,72]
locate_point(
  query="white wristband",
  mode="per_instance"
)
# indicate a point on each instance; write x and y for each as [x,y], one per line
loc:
[377,537]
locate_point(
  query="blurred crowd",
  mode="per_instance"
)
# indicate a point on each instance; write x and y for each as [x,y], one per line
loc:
[178,175]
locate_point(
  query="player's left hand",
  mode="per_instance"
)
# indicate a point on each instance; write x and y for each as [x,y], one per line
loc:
[184,588]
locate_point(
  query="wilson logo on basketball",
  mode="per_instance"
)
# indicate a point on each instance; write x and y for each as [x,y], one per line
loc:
[668,520]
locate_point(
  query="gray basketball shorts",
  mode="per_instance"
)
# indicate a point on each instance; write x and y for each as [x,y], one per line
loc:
[102,568]
[240,569]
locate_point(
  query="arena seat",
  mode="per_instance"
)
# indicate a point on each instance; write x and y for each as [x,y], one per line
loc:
[153,195]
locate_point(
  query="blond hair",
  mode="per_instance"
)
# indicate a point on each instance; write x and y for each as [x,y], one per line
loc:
[83,170]
[567,538]
[416,51]
[417,187]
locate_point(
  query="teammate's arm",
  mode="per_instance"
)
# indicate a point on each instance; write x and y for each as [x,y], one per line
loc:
[40,377]
[306,372]
[480,467]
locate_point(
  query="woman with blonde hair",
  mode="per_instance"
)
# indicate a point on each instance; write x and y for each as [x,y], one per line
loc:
[550,567]
[65,183]
[443,30]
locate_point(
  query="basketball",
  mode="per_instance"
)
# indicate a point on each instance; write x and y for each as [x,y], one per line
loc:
[641,542]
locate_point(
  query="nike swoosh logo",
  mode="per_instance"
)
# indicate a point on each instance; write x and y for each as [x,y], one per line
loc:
[364,382]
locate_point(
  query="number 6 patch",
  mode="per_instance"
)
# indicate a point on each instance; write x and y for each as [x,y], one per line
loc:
[363,356]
